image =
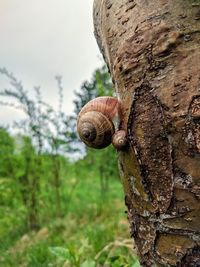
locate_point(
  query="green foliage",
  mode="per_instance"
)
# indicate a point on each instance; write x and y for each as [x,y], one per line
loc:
[56,212]
[93,230]
[6,153]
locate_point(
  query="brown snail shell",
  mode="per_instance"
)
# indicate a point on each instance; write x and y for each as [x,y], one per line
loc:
[95,121]
[119,140]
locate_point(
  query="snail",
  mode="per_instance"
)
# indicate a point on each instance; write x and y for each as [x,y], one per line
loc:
[96,121]
[119,140]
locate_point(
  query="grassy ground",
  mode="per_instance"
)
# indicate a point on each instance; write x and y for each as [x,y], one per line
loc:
[93,232]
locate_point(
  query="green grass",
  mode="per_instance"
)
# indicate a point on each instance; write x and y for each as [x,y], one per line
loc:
[93,232]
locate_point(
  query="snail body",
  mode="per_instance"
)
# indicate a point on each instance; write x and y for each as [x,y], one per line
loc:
[96,121]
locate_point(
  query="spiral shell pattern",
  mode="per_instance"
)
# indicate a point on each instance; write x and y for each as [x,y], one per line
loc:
[95,121]
[119,140]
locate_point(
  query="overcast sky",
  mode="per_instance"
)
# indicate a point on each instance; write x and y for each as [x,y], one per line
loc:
[43,38]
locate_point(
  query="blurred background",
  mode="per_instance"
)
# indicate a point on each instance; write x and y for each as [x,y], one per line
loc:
[61,204]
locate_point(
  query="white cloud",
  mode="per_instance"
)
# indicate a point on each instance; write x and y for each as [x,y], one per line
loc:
[43,38]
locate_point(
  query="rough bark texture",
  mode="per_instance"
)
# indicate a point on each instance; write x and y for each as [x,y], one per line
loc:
[152,48]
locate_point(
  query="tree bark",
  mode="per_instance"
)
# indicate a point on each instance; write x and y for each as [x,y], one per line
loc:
[152,49]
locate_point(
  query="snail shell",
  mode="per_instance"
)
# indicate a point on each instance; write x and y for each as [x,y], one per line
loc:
[119,140]
[95,121]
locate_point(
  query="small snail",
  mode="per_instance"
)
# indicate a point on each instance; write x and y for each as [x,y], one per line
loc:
[119,140]
[96,121]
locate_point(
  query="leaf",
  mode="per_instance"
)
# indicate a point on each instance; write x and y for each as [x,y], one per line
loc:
[88,263]
[136,264]
[114,258]
[60,252]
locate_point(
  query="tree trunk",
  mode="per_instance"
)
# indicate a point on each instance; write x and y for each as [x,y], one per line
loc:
[152,49]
